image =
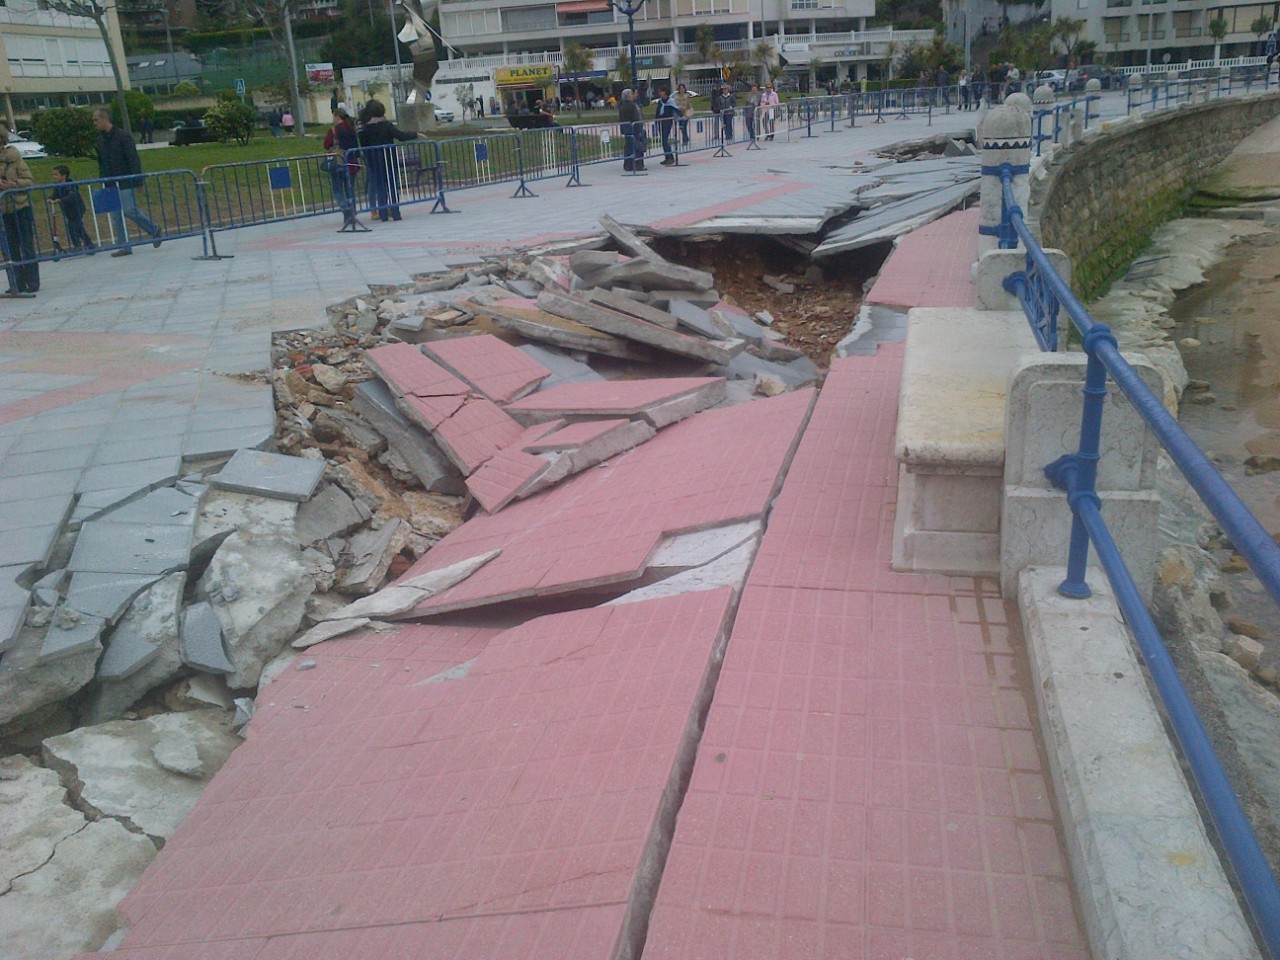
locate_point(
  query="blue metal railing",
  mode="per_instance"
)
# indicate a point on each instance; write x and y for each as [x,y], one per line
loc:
[1041,291]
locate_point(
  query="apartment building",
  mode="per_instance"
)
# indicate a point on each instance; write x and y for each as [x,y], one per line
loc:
[513,49]
[49,59]
[1138,32]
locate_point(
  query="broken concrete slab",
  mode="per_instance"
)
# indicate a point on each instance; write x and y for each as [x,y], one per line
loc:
[33,818]
[630,241]
[259,589]
[663,299]
[104,546]
[374,401]
[402,597]
[585,264]
[168,505]
[739,322]
[27,684]
[329,629]
[14,601]
[68,906]
[895,219]
[510,472]
[581,445]
[564,369]
[493,367]
[688,549]
[339,426]
[729,570]
[748,366]
[651,275]
[619,324]
[69,633]
[557,543]
[270,475]
[551,272]
[628,304]
[124,769]
[371,552]
[524,317]
[330,513]
[202,640]
[150,623]
[658,402]
[693,317]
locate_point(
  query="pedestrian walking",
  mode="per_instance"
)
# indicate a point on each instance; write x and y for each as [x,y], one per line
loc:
[67,196]
[942,81]
[286,121]
[381,133]
[631,126]
[768,110]
[148,130]
[684,102]
[273,122]
[667,113]
[19,223]
[118,157]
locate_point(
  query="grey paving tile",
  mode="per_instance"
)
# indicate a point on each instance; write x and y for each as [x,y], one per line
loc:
[270,475]
[219,443]
[13,605]
[42,438]
[111,450]
[167,505]
[202,646]
[28,545]
[38,485]
[141,473]
[137,548]
[105,595]
[69,636]
[44,461]
[34,512]
[97,502]
[172,425]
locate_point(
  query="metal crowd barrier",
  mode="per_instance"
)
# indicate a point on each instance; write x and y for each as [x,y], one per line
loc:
[84,217]
[1042,292]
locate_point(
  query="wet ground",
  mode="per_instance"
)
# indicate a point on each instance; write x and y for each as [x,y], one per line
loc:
[1235,316]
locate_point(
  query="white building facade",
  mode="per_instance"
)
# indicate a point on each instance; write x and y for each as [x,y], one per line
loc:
[49,59]
[1138,32]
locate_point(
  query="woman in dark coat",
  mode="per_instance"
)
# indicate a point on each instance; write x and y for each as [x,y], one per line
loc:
[631,126]
[379,132]
[340,143]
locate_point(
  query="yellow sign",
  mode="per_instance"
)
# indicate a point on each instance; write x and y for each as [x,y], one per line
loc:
[509,76]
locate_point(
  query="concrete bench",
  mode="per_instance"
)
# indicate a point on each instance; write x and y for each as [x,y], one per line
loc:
[950,440]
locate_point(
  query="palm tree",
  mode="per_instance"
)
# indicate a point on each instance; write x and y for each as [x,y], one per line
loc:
[624,69]
[1217,30]
[704,38]
[577,61]
[761,54]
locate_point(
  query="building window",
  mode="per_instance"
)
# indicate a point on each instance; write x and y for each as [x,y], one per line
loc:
[516,19]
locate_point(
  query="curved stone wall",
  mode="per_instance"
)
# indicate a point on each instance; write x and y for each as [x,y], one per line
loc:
[1103,196]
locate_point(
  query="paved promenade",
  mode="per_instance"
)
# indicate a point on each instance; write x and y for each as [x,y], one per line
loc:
[870,782]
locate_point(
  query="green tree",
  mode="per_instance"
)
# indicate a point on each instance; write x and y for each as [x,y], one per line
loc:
[1260,27]
[140,107]
[185,89]
[761,57]
[361,36]
[65,131]
[1068,34]
[704,38]
[97,11]
[1217,30]
[577,61]
[624,68]
[231,120]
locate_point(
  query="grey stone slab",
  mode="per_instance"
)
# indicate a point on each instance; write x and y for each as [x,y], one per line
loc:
[111,450]
[167,505]
[140,474]
[662,299]
[93,505]
[151,622]
[28,545]
[747,366]
[535,324]
[43,461]
[374,401]
[221,443]
[742,325]
[522,288]
[270,475]
[564,369]
[622,325]
[202,640]
[36,512]
[14,601]
[330,513]
[650,275]
[630,241]
[38,486]
[371,552]
[624,303]
[105,595]
[52,438]
[70,633]
[693,317]
[895,219]
[155,548]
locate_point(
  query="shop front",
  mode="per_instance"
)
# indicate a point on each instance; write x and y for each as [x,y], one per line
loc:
[522,87]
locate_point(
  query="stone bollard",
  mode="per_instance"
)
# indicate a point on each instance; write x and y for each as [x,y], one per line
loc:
[1005,138]
[1075,124]
[1043,94]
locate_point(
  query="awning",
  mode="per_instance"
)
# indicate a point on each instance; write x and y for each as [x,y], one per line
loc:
[582,6]
[656,73]
[794,57]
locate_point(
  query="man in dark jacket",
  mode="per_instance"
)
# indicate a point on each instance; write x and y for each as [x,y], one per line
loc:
[631,126]
[118,157]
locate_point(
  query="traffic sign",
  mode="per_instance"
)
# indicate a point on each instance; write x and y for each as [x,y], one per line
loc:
[240,87]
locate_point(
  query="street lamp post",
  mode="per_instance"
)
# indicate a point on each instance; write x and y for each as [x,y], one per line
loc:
[629,10]
[397,88]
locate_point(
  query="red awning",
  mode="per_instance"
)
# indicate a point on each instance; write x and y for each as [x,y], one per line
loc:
[582,6]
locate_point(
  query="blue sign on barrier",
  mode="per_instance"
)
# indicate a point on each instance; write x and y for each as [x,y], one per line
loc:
[106,200]
[280,178]
[698,126]
[482,152]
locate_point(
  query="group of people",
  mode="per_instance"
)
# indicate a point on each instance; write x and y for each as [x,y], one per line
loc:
[117,158]
[672,111]
[342,143]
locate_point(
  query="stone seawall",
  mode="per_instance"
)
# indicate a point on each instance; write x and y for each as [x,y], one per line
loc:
[1103,196]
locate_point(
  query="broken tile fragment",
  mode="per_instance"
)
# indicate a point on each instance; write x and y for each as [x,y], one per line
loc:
[564,369]
[70,633]
[625,303]
[105,595]
[327,630]
[371,554]
[623,325]
[415,447]
[136,548]
[202,640]
[695,318]
[270,475]
[658,402]
[330,513]
[493,367]
[651,275]
[525,318]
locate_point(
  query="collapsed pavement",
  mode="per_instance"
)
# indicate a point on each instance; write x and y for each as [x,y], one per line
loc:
[462,396]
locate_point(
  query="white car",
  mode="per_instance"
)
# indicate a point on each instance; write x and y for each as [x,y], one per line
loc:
[444,116]
[1057,79]
[27,149]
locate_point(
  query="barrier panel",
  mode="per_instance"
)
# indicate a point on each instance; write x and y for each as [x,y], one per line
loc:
[475,161]
[86,216]
[1042,292]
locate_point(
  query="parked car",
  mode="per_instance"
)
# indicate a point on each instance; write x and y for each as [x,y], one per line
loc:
[1057,79]
[444,116]
[1094,71]
[27,149]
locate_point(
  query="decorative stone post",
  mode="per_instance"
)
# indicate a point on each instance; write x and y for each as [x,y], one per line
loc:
[1005,137]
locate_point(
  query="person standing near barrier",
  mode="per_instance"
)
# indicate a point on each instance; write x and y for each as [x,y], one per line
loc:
[667,112]
[752,110]
[343,165]
[962,84]
[118,157]
[631,126]
[18,220]
[380,133]
[768,110]
[727,108]
[67,196]
[684,101]
[1272,51]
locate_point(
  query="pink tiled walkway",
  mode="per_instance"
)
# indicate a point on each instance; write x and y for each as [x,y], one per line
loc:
[930,266]
[869,784]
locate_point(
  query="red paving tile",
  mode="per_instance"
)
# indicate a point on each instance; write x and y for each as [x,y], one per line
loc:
[494,367]
[608,398]
[930,267]
[600,527]
[869,783]
[504,813]
[574,435]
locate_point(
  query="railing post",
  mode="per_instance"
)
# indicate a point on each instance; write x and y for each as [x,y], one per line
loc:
[522,190]
[1005,140]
